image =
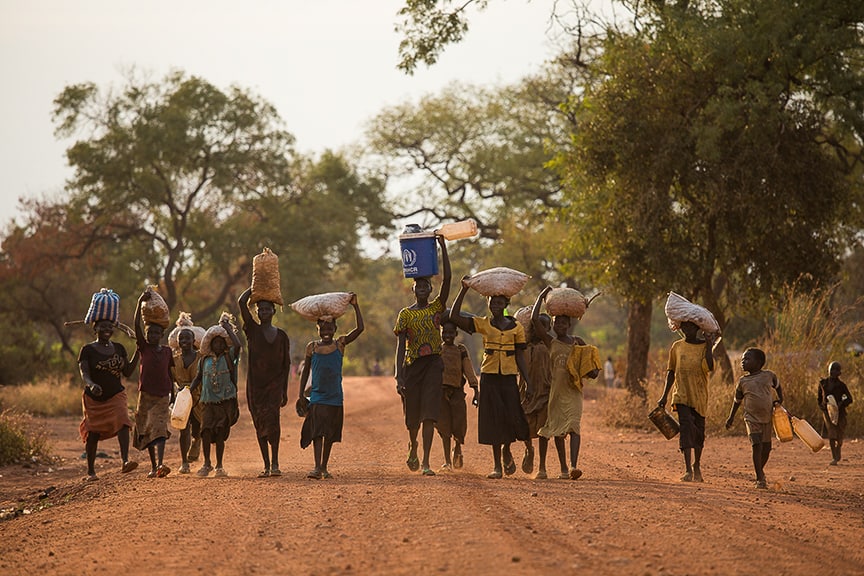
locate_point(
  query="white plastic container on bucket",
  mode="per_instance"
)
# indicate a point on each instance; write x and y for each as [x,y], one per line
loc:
[181,409]
[458,230]
[419,253]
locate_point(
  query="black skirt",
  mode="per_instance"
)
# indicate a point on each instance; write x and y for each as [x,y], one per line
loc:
[500,419]
[322,421]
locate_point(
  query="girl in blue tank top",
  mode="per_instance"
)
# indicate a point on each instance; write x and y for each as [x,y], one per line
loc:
[323,409]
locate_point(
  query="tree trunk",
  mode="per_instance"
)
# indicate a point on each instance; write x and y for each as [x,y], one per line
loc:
[638,344]
[721,356]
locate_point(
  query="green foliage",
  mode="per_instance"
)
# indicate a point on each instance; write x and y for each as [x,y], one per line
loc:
[428,26]
[20,439]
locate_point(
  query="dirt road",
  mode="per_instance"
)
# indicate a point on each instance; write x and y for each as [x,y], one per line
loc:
[627,515]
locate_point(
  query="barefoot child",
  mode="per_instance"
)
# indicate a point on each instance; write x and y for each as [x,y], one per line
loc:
[453,419]
[217,377]
[690,361]
[755,391]
[536,405]
[266,378]
[571,360]
[155,390]
[323,422]
[834,431]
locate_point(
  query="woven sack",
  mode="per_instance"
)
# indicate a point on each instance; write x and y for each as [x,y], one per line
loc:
[184,322]
[523,315]
[498,281]
[327,306]
[155,310]
[104,305]
[266,283]
[679,309]
[566,302]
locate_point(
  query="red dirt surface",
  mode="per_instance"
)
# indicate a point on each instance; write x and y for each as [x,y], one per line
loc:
[628,514]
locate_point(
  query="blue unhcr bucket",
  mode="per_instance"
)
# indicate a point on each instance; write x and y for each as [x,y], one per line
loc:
[419,254]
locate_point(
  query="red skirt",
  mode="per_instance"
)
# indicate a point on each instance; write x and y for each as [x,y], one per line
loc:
[104,418]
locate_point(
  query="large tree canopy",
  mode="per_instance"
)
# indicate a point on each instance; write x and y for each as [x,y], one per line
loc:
[715,150]
[192,181]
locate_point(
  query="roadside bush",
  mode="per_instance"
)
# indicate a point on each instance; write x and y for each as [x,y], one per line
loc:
[20,438]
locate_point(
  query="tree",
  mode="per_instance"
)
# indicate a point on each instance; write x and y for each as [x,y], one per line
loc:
[713,152]
[192,181]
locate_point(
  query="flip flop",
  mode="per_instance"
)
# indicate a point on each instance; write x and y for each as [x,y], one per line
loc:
[315,474]
[541,475]
[495,475]
[428,472]
[275,472]
[325,475]
[509,466]
[413,462]
[162,471]
[457,460]
[264,473]
[528,460]
[128,466]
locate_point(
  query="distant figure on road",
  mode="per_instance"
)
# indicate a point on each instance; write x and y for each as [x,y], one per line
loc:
[609,372]
[835,431]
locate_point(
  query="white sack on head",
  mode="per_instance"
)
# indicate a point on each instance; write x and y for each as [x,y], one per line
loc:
[213,332]
[327,306]
[679,309]
[566,302]
[184,322]
[155,310]
[266,282]
[500,281]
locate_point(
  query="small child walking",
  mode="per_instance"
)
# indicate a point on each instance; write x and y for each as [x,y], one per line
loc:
[835,431]
[755,391]
[184,370]
[691,359]
[155,391]
[536,404]
[322,425]
[571,360]
[452,421]
[217,377]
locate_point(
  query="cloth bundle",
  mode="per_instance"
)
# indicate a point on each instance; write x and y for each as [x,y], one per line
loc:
[155,310]
[566,302]
[104,305]
[266,282]
[500,281]
[679,309]
[184,322]
[327,306]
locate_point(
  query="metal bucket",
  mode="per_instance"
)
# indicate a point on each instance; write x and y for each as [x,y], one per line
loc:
[664,422]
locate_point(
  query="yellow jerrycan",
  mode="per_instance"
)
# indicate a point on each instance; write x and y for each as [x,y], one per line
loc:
[807,434]
[458,230]
[782,424]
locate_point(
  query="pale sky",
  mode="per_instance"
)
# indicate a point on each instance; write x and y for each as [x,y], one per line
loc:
[327,65]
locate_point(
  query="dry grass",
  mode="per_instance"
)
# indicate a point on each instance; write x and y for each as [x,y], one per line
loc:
[44,398]
[20,438]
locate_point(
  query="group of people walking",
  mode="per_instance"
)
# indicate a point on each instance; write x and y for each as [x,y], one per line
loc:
[208,367]
[531,379]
